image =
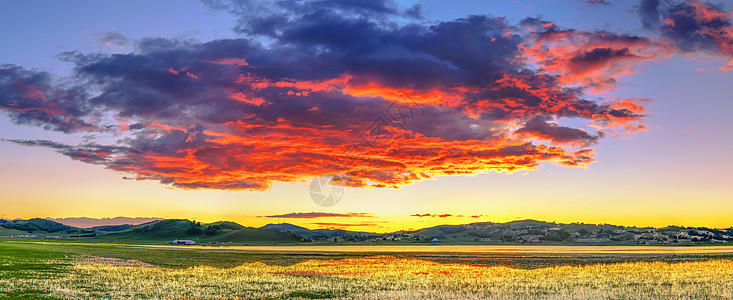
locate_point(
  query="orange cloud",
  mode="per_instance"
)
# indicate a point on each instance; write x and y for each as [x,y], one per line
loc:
[462,97]
[585,58]
[693,27]
[433,97]
[241,62]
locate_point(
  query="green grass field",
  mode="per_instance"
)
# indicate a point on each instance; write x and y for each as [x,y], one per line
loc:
[52,270]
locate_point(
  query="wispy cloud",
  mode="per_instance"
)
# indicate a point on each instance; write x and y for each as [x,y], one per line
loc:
[597,2]
[692,27]
[114,39]
[312,215]
[435,215]
[343,225]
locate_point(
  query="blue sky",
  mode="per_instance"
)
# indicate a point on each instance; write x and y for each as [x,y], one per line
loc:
[671,173]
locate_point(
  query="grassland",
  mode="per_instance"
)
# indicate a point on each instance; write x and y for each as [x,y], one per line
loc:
[33,270]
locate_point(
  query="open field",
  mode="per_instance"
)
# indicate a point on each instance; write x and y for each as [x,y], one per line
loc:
[108,271]
[473,249]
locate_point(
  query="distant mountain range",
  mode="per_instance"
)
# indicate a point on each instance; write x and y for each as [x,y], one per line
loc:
[516,232]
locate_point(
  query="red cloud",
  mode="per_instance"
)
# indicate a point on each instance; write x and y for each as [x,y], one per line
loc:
[587,58]
[542,128]
[382,106]
[696,25]
[692,27]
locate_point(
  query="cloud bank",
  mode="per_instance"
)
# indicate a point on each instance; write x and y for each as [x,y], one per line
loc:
[364,90]
[692,27]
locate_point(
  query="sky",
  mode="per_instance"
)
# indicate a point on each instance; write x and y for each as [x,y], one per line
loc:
[421,112]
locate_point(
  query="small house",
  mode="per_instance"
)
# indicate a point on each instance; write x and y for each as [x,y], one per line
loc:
[183,242]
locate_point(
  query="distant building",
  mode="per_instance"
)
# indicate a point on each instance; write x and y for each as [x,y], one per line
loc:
[183,242]
[435,240]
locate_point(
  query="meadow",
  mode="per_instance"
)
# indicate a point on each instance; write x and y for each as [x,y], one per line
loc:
[41,270]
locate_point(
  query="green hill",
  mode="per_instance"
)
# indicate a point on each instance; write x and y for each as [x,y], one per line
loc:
[324,234]
[515,231]
[285,227]
[168,230]
[250,234]
[40,227]
[112,228]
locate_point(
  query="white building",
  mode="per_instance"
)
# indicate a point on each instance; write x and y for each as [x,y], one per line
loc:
[183,242]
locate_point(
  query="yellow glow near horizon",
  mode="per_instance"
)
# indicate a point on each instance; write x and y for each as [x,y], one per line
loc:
[42,184]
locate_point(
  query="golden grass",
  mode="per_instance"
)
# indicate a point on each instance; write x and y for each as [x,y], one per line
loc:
[387,277]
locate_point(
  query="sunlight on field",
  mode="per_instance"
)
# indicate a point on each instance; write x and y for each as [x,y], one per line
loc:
[468,248]
[382,277]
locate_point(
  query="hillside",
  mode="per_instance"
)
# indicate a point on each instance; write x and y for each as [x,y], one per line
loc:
[168,230]
[285,227]
[516,232]
[40,227]
[531,231]
[309,235]
[112,228]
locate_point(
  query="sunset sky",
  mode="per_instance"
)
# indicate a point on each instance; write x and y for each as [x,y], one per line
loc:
[428,112]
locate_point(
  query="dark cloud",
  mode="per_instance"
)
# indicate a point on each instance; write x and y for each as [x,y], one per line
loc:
[269,17]
[114,39]
[594,59]
[88,153]
[590,59]
[649,13]
[316,88]
[541,127]
[692,26]
[31,98]
[696,25]
[598,2]
[312,215]
[414,11]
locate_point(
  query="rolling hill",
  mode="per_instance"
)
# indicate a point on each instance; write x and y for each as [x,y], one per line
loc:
[168,230]
[516,232]
[323,234]
[285,227]
[112,228]
[39,226]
